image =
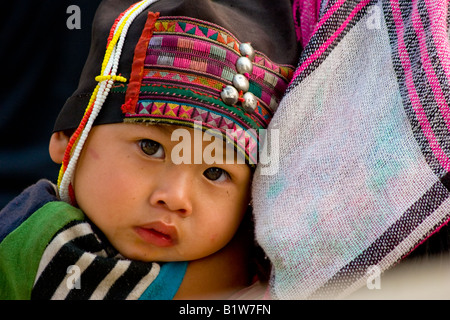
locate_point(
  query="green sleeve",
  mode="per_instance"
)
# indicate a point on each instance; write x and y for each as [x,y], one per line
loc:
[22,249]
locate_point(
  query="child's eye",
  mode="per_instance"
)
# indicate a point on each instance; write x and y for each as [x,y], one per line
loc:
[152,148]
[216,174]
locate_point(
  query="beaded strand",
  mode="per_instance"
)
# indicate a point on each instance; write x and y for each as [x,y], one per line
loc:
[106,79]
[76,135]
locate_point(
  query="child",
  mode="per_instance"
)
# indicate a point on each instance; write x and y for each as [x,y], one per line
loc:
[137,214]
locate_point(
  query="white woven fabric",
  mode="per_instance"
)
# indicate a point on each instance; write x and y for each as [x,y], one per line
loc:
[350,169]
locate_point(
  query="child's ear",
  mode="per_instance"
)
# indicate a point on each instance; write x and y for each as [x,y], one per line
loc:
[57,146]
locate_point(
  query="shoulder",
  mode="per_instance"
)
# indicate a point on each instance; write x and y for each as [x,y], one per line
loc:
[23,206]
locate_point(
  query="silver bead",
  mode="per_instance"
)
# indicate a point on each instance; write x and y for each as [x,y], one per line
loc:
[249,104]
[246,49]
[244,65]
[240,82]
[229,95]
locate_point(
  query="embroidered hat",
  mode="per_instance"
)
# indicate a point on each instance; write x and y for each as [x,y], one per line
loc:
[194,63]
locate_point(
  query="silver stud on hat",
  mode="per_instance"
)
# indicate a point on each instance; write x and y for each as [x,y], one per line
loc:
[244,66]
[240,82]
[229,95]
[246,49]
[249,103]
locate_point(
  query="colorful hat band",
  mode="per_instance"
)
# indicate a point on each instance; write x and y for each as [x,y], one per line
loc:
[186,65]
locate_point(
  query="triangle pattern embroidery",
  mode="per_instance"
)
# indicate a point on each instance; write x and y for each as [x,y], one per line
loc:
[185,112]
[172,109]
[158,108]
[214,120]
[200,115]
[212,34]
[182,25]
[227,124]
[190,29]
[202,31]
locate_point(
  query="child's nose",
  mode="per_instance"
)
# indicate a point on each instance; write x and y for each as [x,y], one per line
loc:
[173,191]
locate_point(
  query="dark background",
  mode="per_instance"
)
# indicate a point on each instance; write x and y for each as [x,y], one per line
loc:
[41,61]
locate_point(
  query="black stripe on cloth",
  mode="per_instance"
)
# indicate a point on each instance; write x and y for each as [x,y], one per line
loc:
[83,242]
[442,129]
[405,9]
[431,48]
[66,227]
[101,277]
[325,31]
[446,181]
[420,82]
[54,273]
[401,80]
[388,241]
[91,278]
[448,15]
[128,281]
[89,242]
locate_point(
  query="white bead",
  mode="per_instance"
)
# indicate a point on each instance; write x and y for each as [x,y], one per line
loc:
[240,82]
[229,95]
[250,102]
[246,49]
[244,65]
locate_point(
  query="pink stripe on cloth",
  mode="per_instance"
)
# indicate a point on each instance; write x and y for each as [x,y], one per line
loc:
[202,46]
[428,67]
[415,101]
[214,69]
[198,65]
[327,43]
[170,42]
[307,13]
[266,98]
[186,45]
[438,11]
[182,62]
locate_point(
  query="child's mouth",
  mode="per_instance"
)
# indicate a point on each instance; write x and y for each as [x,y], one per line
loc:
[158,234]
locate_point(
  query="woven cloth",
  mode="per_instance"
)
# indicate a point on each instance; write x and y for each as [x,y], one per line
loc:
[364,146]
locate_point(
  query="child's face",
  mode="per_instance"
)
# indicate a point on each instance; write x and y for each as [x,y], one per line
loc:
[151,209]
